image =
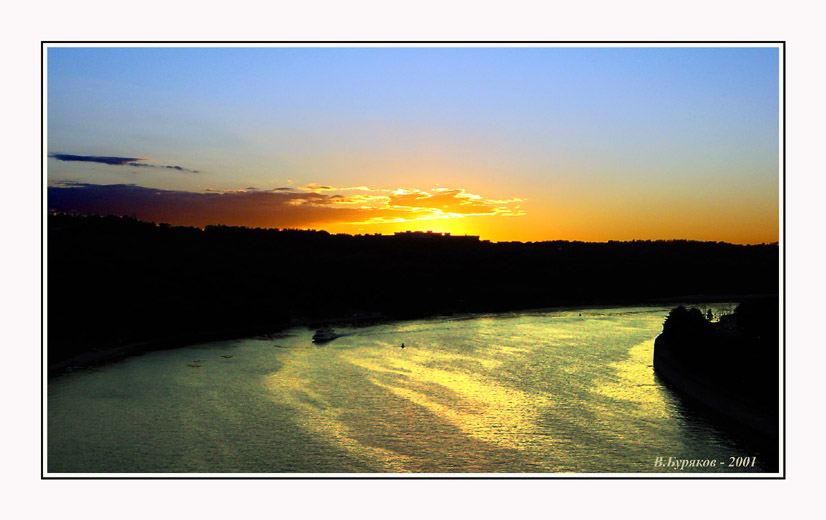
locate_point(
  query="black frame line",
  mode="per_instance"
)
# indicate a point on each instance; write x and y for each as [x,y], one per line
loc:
[668,476]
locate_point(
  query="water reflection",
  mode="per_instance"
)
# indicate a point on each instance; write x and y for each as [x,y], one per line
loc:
[536,392]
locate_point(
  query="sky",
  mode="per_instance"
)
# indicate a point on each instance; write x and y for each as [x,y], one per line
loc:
[519,143]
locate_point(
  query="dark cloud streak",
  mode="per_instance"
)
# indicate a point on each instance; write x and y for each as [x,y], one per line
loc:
[112,161]
[236,208]
[117,161]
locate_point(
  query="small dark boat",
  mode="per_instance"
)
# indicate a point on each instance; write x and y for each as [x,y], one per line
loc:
[325,334]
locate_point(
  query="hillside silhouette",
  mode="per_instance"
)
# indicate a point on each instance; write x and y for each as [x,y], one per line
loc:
[116,280]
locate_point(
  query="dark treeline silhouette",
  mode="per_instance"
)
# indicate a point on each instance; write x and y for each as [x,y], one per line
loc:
[741,348]
[729,368]
[116,280]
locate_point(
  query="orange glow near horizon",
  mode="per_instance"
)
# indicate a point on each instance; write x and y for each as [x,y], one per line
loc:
[364,210]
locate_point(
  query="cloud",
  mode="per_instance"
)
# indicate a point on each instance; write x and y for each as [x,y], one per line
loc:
[316,188]
[179,168]
[273,208]
[441,203]
[114,161]
[117,161]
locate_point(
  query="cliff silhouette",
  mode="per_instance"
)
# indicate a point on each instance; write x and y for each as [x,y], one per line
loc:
[116,281]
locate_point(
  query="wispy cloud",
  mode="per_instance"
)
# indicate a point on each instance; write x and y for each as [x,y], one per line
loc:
[113,161]
[118,161]
[278,207]
[318,188]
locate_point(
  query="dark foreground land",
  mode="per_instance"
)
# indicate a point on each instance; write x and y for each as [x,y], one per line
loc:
[728,369]
[119,282]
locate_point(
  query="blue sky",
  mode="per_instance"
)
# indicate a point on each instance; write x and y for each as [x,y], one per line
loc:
[582,129]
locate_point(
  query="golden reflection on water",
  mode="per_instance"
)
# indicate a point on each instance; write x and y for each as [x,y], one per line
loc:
[478,407]
[635,382]
[559,394]
[409,388]
[293,386]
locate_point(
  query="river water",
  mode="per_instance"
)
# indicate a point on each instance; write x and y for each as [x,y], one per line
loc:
[529,392]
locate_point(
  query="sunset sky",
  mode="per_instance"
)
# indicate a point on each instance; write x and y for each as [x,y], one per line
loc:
[518,143]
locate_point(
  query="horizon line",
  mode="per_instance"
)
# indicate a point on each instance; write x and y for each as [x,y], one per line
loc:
[426,233]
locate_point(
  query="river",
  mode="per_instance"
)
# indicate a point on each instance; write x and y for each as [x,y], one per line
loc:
[561,391]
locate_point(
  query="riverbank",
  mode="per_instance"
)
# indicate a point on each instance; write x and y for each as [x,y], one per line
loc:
[727,369]
[113,281]
[101,356]
[104,355]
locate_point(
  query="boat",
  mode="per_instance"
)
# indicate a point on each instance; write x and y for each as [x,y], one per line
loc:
[325,334]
